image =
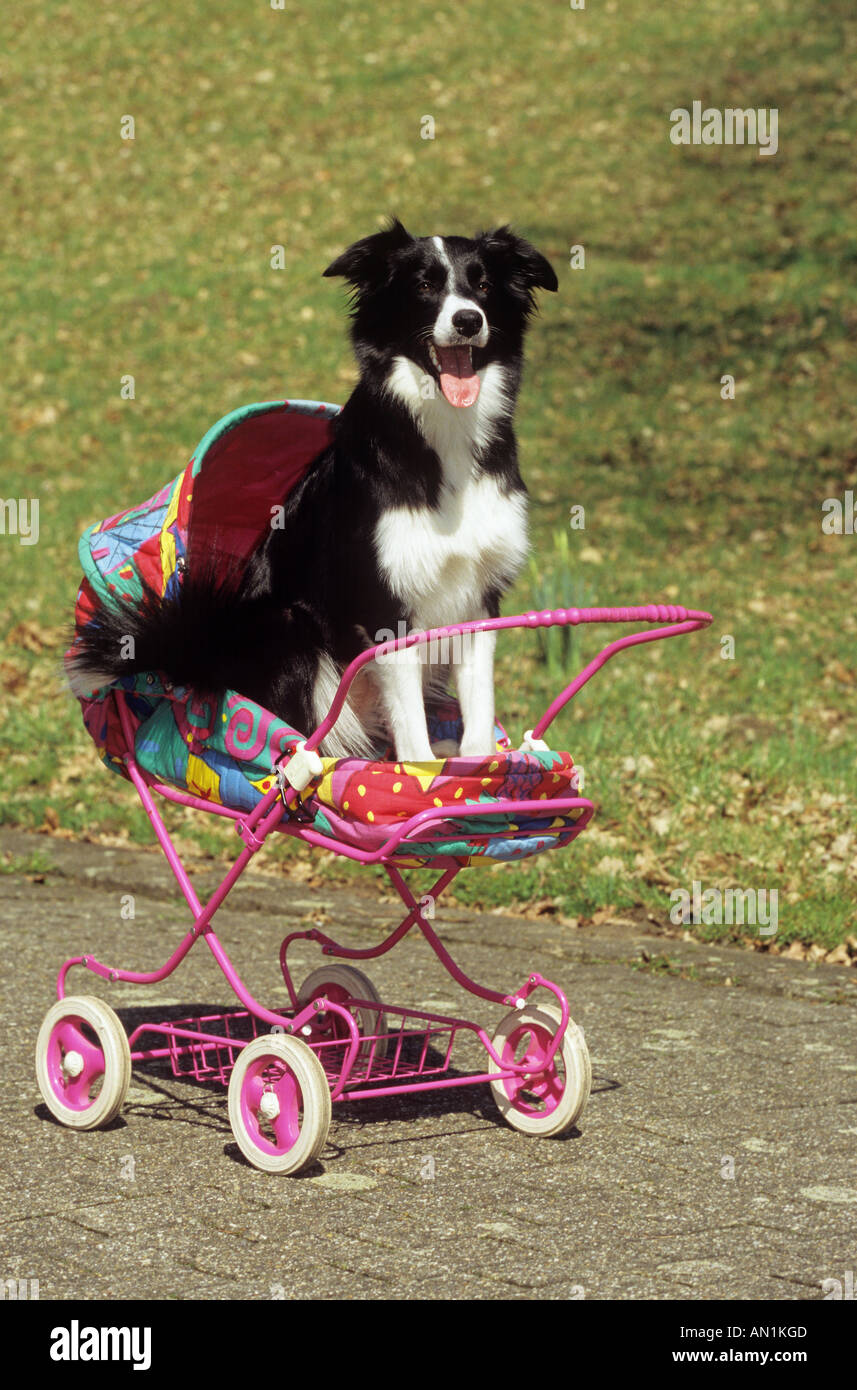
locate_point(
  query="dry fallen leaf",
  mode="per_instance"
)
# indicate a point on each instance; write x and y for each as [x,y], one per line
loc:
[34,416]
[13,678]
[610,865]
[650,870]
[838,671]
[839,955]
[33,637]
[796,951]
[545,907]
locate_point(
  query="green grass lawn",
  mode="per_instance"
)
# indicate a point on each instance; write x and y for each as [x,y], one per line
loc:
[301,128]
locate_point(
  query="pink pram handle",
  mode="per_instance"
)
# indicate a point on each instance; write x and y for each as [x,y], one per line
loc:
[679,620]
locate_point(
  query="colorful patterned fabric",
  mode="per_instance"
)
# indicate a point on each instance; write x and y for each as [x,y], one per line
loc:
[252,455]
[223,751]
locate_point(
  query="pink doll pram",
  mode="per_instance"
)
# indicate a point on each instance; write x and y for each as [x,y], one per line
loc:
[336,1040]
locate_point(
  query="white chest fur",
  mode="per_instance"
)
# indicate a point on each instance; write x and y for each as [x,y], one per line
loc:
[440,560]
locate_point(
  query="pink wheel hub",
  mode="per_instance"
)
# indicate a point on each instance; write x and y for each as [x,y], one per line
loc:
[541,1090]
[271,1106]
[70,1045]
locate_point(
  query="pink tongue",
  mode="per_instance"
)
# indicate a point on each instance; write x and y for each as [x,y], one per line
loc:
[458,381]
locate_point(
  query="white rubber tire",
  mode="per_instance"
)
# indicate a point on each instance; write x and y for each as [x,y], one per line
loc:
[308,1074]
[576,1064]
[113,1042]
[359,986]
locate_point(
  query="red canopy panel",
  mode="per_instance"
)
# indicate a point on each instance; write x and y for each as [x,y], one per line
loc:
[246,474]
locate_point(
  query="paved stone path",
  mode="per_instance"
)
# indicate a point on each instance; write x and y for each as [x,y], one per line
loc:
[716,1159]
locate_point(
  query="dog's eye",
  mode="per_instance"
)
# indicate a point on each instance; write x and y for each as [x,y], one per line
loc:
[484,286]
[425,287]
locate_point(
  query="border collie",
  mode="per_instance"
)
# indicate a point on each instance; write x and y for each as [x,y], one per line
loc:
[416,513]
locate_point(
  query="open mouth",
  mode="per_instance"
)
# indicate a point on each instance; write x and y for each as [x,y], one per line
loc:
[458,380]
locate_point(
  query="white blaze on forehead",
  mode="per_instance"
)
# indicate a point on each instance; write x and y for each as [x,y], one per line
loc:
[441,251]
[445,332]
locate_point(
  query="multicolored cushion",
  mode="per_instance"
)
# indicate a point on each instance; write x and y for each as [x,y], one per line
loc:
[224,752]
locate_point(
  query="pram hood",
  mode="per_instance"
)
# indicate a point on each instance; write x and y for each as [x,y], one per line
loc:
[247,463]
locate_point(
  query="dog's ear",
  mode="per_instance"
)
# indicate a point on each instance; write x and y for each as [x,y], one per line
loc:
[366,262]
[523,261]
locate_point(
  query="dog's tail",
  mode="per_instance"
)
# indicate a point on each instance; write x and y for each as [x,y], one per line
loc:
[207,636]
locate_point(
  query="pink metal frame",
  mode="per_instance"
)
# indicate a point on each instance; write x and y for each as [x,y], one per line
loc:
[267,817]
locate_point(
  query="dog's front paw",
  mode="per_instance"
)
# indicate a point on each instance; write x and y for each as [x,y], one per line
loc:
[445,748]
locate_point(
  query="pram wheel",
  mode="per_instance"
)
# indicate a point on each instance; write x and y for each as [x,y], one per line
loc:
[83,1062]
[279,1104]
[544,1102]
[340,983]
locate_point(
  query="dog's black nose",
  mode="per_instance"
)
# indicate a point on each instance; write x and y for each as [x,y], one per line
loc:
[467,322]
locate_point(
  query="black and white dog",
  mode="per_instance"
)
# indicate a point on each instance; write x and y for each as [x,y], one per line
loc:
[416,513]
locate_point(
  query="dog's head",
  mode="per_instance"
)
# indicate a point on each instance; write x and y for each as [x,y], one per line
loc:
[451,305]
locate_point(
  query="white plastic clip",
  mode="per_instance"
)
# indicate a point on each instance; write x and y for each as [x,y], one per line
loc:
[303,767]
[533,745]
